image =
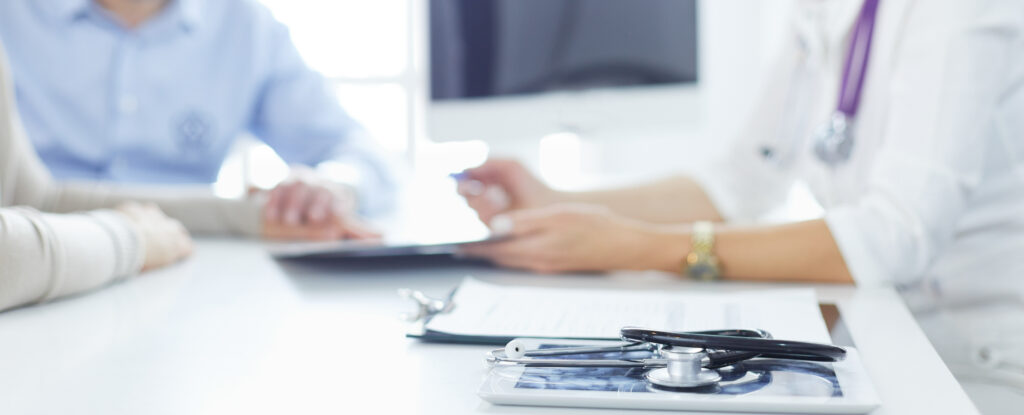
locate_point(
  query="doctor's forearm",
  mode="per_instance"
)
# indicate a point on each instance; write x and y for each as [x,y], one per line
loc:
[800,252]
[671,200]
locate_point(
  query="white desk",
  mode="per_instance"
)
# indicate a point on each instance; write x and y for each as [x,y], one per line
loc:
[232,331]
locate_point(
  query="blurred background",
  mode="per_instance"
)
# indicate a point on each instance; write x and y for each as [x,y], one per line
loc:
[378,56]
[586,92]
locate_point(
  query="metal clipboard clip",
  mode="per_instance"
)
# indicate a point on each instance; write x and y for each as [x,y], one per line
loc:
[426,307]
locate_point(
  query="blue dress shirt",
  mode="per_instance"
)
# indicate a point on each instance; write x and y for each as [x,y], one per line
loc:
[163,103]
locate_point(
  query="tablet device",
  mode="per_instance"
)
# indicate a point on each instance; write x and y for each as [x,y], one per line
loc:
[423,226]
[365,249]
[757,385]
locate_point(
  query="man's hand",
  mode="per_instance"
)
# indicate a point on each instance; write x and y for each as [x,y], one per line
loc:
[503,185]
[573,237]
[307,207]
[164,239]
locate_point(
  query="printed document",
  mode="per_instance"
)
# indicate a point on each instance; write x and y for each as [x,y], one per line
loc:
[484,309]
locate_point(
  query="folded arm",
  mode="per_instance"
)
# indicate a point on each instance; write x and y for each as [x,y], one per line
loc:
[25,181]
[45,256]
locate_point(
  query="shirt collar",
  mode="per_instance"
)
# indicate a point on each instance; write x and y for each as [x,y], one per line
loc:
[188,12]
[68,10]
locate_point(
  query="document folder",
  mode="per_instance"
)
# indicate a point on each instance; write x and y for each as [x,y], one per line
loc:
[483,313]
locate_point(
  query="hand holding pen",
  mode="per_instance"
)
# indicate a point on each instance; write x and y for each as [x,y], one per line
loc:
[500,186]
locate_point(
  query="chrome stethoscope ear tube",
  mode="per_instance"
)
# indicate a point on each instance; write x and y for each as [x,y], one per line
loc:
[514,353]
[677,367]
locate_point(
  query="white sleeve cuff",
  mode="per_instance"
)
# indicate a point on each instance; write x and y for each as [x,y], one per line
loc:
[722,197]
[850,234]
[744,187]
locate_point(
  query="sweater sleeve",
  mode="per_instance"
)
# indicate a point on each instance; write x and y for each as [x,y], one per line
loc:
[46,256]
[25,181]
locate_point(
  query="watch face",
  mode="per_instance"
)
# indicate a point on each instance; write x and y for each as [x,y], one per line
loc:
[703,272]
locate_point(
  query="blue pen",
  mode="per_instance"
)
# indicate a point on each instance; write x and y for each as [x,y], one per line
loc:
[467,184]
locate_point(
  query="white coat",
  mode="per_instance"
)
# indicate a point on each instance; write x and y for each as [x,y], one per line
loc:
[932,198]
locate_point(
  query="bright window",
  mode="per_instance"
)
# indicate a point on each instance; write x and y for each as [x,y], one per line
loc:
[348,38]
[362,48]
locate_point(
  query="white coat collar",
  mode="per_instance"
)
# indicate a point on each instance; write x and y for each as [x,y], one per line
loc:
[823,25]
[820,24]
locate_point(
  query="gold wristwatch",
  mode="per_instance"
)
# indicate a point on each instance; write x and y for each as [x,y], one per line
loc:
[701,263]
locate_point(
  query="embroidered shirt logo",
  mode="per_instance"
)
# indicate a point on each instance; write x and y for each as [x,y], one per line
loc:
[194,131]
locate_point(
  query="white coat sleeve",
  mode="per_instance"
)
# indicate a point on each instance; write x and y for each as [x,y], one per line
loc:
[744,184]
[952,64]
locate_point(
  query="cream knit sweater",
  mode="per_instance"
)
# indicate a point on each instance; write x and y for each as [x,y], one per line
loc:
[49,255]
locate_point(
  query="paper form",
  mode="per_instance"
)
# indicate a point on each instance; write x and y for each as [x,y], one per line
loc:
[483,309]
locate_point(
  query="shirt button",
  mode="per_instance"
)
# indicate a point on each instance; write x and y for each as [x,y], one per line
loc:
[128,104]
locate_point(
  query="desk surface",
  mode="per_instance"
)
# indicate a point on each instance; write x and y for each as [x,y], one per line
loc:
[232,331]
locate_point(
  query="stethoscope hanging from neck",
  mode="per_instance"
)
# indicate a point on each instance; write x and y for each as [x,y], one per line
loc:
[833,143]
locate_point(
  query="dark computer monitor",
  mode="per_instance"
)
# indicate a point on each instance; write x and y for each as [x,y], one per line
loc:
[527,67]
[488,48]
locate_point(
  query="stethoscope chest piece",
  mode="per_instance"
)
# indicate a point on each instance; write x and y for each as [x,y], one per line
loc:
[683,369]
[833,143]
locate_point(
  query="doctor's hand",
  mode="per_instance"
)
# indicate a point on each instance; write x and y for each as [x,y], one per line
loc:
[572,237]
[310,208]
[164,240]
[503,185]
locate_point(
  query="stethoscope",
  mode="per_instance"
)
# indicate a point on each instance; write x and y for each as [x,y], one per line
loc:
[833,141]
[685,360]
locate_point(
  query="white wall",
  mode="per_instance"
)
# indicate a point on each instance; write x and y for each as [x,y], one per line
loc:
[737,38]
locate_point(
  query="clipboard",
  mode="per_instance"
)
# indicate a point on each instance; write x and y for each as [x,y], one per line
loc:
[483,317]
[420,320]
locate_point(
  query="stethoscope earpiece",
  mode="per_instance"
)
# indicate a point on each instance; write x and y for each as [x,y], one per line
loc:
[515,349]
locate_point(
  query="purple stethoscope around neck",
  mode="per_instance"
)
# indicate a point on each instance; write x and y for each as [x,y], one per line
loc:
[833,142]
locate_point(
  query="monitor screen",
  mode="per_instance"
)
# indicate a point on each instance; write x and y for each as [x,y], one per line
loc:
[490,48]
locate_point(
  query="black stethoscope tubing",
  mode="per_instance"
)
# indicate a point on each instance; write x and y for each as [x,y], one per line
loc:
[729,346]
